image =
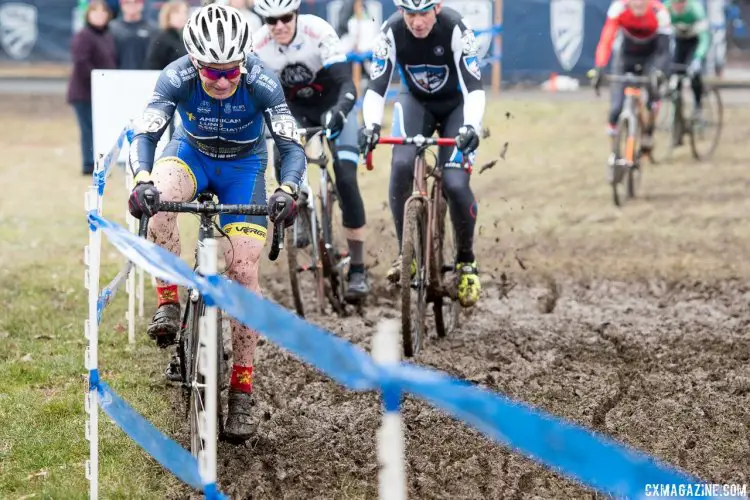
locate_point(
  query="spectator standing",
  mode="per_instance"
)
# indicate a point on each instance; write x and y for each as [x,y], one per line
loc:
[167,45]
[93,47]
[132,35]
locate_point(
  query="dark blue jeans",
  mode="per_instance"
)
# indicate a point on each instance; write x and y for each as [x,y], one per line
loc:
[83,113]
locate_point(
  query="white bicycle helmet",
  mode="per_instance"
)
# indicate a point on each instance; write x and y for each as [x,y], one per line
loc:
[276,8]
[217,34]
[416,5]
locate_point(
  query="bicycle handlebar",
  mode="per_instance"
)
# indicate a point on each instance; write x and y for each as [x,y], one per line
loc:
[628,78]
[309,131]
[211,209]
[417,140]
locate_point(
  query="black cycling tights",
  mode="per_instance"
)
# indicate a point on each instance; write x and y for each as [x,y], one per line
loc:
[414,117]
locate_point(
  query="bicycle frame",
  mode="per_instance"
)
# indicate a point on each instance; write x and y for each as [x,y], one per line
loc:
[325,177]
[420,193]
[632,110]
[429,282]
[325,258]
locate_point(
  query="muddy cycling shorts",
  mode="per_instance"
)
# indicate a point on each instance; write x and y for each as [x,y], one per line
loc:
[239,180]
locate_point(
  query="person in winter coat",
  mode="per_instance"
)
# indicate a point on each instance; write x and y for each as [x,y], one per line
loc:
[93,47]
[133,34]
[167,45]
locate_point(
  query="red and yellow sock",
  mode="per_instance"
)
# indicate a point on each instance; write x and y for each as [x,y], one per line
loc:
[242,378]
[167,295]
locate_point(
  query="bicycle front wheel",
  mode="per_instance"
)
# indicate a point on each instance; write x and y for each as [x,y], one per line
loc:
[413,279]
[195,383]
[667,129]
[333,247]
[305,260]
[705,129]
[622,147]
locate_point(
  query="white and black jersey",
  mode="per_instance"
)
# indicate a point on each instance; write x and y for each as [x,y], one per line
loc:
[313,69]
[441,68]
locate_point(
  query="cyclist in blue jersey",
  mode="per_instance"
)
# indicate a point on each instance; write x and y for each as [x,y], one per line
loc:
[224,98]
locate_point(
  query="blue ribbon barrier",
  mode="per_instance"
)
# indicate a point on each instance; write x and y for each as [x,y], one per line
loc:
[109,291]
[594,460]
[497,29]
[168,453]
[100,175]
[163,449]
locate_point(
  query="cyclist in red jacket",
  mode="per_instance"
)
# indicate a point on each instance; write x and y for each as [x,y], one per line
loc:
[643,28]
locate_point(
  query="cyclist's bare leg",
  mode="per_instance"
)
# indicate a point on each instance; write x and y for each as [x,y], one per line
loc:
[242,255]
[175,183]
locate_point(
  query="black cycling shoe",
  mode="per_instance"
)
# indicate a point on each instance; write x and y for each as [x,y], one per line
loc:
[240,425]
[165,325]
[358,287]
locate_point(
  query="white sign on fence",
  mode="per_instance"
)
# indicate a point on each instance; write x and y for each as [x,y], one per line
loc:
[117,97]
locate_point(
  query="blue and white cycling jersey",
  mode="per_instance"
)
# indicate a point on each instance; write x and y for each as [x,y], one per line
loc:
[223,130]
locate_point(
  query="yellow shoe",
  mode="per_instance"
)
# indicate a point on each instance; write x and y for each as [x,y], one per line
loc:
[469,287]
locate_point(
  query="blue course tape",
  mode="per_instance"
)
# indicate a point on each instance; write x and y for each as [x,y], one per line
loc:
[577,452]
[104,297]
[100,176]
[165,451]
[212,493]
[345,362]
[93,379]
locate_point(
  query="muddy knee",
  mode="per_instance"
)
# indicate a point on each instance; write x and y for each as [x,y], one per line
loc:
[242,253]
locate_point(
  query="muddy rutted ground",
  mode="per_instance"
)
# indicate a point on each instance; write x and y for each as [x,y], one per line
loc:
[662,367]
[659,360]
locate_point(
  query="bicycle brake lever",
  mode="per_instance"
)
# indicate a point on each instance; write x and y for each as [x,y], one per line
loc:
[143,226]
[278,241]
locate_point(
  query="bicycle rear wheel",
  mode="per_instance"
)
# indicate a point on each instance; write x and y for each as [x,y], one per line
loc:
[413,289]
[190,354]
[445,307]
[706,131]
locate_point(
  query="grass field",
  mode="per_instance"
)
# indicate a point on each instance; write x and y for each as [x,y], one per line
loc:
[545,217]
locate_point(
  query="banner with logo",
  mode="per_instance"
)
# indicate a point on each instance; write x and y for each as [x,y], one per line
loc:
[36,30]
[539,36]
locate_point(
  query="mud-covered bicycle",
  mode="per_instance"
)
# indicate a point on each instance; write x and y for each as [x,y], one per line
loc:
[323,254]
[187,367]
[675,121]
[428,249]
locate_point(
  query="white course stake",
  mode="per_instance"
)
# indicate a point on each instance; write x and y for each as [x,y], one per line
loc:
[392,474]
[91,330]
[130,286]
[140,292]
[208,263]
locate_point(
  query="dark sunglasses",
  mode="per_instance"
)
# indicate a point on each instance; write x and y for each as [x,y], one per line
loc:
[285,19]
[216,74]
